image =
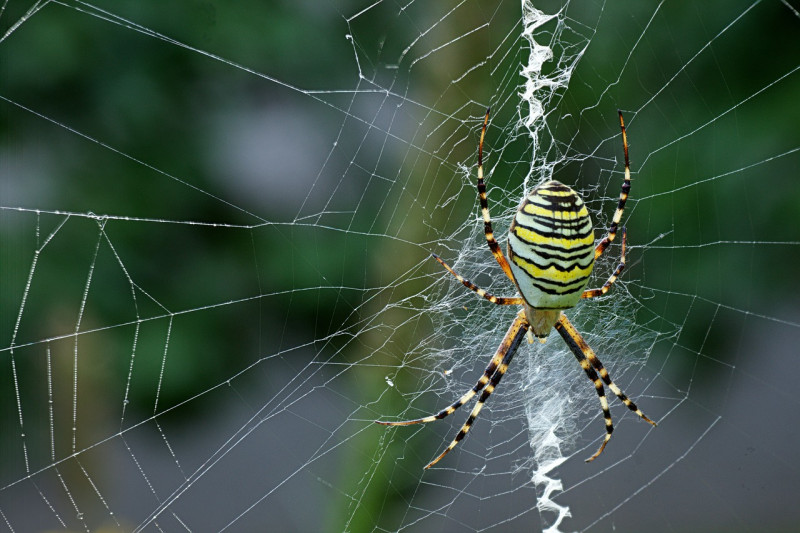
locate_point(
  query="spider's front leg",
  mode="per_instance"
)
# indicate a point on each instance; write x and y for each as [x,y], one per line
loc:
[509,346]
[589,362]
[488,382]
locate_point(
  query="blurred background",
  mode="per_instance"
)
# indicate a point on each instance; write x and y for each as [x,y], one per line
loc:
[215,228]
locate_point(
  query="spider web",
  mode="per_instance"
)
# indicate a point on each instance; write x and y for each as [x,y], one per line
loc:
[216,223]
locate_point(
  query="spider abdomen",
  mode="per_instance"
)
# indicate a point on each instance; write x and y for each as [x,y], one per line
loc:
[551,247]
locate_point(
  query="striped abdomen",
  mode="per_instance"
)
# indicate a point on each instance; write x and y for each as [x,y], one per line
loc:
[551,247]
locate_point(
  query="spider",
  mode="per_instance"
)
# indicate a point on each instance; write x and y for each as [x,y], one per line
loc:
[551,253]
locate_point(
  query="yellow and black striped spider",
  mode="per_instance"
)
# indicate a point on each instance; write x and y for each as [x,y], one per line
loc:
[552,252]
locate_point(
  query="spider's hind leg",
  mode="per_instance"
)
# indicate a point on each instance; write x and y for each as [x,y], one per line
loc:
[623,196]
[592,293]
[494,247]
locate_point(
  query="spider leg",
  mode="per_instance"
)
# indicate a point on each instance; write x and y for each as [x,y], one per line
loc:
[499,300]
[623,196]
[591,293]
[490,370]
[565,328]
[507,349]
[590,355]
[487,219]
[586,356]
